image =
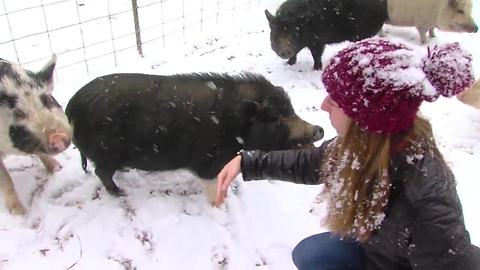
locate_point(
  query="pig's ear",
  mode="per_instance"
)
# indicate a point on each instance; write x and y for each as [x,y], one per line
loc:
[247,110]
[269,16]
[46,73]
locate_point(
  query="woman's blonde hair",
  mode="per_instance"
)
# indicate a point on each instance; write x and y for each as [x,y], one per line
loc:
[357,176]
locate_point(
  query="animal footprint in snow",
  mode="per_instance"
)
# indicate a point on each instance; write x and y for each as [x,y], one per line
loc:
[145,238]
[61,191]
[220,257]
[261,263]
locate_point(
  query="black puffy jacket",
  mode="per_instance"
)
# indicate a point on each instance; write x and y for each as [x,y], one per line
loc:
[423,228]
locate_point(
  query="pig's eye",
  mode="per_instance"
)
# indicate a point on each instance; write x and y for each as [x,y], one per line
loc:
[460,12]
[269,116]
[18,114]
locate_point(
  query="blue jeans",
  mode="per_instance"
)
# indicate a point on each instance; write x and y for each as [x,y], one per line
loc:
[326,251]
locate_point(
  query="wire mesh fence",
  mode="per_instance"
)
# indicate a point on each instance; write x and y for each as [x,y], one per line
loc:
[82,31]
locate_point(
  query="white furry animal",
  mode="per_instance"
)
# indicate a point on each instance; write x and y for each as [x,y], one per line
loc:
[471,96]
[425,15]
[31,122]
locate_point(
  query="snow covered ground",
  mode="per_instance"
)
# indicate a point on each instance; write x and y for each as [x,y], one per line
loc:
[164,222]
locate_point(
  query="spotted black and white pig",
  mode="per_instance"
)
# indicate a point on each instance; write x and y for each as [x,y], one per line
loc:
[31,122]
[315,23]
[425,15]
[192,121]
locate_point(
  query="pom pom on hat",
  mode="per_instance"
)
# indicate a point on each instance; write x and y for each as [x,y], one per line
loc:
[449,69]
[381,84]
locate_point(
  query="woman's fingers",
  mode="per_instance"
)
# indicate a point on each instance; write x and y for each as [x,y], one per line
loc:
[225,178]
[226,182]
[221,193]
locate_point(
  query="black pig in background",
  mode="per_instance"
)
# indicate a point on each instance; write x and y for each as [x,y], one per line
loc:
[315,23]
[193,121]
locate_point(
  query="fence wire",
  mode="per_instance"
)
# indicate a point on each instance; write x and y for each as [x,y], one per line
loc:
[65,27]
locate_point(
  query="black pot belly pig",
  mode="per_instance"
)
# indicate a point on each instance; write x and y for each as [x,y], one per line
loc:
[193,121]
[314,23]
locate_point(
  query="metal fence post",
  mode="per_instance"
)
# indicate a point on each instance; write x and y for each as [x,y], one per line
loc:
[137,27]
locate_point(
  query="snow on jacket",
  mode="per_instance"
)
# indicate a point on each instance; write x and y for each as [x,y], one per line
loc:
[423,228]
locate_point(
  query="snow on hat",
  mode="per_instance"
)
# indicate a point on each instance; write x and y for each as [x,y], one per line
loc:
[381,84]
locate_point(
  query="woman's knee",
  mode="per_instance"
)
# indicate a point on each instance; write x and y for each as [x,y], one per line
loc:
[307,254]
[302,260]
[327,251]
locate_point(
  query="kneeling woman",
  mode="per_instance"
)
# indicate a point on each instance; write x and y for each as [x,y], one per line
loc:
[392,198]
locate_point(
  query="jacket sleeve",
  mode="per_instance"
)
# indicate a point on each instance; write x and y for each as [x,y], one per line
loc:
[297,166]
[439,237]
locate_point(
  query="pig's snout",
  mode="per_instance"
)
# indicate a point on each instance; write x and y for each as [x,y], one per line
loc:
[465,27]
[474,29]
[283,49]
[316,133]
[58,142]
[285,54]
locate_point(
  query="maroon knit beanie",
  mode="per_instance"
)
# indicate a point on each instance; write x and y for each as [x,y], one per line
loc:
[381,84]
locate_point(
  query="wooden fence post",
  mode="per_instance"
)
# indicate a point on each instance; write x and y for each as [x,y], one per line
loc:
[137,27]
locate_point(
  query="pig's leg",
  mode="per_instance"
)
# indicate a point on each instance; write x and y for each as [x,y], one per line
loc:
[106,175]
[381,33]
[423,34]
[210,188]
[6,185]
[317,51]
[50,163]
[292,60]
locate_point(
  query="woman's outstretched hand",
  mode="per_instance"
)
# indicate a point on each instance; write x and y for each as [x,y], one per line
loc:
[225,178]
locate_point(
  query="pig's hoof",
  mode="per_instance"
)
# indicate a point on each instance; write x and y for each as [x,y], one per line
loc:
[116,192]
[16,208]
[292,61]
[51,164]
[54,168]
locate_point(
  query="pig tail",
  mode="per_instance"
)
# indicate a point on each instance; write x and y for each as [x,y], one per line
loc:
[448,68]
